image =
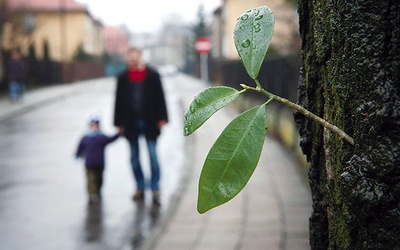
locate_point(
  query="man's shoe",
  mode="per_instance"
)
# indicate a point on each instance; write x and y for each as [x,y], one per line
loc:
[139,195]
[156,198]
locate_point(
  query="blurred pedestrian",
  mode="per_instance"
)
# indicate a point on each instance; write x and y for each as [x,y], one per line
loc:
[17,69]
[91,147]
[140,110]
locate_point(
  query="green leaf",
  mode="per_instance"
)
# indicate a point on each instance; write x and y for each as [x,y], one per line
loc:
[232,159]
[252,36]
[206,104]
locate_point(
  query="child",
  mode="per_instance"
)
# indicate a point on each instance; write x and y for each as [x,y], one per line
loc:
[91,147]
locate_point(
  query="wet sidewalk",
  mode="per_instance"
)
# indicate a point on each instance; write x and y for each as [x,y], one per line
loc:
[270,213]
[41,96]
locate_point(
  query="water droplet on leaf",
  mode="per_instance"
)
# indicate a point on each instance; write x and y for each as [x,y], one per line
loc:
[244,17]
[246,43]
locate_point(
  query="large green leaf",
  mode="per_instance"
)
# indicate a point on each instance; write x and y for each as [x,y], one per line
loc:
[252,36]
[232,159]
[206,104]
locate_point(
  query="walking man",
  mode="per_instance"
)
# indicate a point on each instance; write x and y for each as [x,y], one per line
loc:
[140,110]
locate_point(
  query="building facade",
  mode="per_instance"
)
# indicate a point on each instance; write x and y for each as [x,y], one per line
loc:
[65,26]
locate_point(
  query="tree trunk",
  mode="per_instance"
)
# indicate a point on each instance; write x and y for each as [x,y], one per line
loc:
[351,77]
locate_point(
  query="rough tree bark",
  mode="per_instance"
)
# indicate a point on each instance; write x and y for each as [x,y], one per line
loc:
[351,77]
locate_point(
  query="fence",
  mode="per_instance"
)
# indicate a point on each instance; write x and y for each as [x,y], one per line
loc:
[46,72]
[76,71]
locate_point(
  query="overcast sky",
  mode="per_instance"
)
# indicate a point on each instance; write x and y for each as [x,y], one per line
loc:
[146,15]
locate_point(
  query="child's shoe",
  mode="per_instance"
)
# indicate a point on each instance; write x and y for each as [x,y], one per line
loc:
[94,198]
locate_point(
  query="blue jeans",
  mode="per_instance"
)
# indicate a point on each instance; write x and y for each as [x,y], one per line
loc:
[16,90]
[135,158]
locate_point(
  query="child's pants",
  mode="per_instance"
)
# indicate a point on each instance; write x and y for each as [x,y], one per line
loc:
[94,180]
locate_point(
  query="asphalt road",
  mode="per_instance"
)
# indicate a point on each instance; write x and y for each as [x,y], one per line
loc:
[42,186]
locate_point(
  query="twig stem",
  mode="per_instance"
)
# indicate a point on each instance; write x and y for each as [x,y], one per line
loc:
[302,110]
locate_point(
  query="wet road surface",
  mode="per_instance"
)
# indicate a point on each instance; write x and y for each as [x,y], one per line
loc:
[42,186]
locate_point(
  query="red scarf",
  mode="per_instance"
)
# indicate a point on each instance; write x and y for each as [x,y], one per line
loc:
[137,76]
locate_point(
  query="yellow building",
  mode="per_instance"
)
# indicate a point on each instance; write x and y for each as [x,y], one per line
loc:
[64,25]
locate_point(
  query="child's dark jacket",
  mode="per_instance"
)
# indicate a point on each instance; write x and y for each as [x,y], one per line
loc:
[91,147]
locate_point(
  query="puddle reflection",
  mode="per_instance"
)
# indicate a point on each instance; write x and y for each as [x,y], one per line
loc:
[138,225]
[94,223]
[145,218]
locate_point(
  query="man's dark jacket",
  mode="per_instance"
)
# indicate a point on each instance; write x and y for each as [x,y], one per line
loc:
[154,105]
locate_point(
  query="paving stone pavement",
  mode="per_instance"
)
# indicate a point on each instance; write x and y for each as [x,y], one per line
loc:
[271,212]
[42,96]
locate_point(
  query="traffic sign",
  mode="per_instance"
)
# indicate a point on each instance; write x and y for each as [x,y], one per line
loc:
[203,45]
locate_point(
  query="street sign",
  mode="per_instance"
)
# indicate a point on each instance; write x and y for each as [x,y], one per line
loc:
[203,45]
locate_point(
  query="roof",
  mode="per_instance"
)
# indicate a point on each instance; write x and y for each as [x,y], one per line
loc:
[46,5]
[112,30]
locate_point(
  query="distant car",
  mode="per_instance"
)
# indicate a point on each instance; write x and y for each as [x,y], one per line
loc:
[167,70]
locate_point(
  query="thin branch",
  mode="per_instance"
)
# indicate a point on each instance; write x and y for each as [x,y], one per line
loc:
[304,111]
[259,86]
